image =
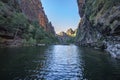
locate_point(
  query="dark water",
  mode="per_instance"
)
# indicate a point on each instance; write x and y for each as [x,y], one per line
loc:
[57,62]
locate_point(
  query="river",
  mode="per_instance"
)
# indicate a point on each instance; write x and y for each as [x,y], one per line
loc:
[57,62]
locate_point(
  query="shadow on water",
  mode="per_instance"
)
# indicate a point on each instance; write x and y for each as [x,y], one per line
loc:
[98,65]
[57,62]
[15,61]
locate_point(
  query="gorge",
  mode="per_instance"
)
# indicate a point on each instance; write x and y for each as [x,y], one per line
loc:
[24,22]
[31,49]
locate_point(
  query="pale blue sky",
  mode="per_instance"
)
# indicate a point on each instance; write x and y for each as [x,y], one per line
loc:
[62,13]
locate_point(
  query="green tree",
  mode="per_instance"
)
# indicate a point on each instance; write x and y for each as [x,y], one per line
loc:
[19,22]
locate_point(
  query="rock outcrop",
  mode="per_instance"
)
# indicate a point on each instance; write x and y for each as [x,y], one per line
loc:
[34,11]
[100,25]
[67,37]
[63,37]
[70,32]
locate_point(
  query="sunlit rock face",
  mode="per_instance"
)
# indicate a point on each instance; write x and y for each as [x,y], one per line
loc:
[34,11]
[67,37]
[100,24]
[70,32]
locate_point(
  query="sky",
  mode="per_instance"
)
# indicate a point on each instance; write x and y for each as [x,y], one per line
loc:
[62,13]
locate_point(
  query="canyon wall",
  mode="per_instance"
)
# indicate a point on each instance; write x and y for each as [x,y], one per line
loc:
[24,22]
[99,26]
[33,9]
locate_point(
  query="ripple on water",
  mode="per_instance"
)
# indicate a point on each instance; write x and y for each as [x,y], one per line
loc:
[57,62]
[62,64]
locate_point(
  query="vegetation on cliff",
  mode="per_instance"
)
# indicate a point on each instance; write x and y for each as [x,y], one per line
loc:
[16,29]
[100,24]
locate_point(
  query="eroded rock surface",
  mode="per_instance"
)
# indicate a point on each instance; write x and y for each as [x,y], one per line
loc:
[100,25]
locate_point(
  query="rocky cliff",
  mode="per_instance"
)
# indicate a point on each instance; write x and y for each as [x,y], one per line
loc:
[67,37]
[23,22]
[70,32]
[34,11]
[100,25]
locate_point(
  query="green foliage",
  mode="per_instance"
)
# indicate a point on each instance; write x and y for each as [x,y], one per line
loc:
[29,42]
[17,24]
[71,40]
[18,19]
[43,37]
[38,34]
[93,7]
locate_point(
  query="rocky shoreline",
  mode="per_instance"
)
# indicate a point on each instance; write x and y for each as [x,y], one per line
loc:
[110,45]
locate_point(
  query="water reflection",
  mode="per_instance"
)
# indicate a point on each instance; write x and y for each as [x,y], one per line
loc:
[62,63]
[57,62]
[98,65]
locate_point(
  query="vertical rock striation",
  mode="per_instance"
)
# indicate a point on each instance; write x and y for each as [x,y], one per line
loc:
[100,25]
[34,11]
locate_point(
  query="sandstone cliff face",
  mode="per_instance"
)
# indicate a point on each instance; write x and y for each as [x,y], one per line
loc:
[34,11]
[100,25]
[19,23]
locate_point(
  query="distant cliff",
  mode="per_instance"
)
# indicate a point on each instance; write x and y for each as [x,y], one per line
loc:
[67,37]
[100,25]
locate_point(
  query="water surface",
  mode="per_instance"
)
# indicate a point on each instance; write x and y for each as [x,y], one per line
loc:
[57,62]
